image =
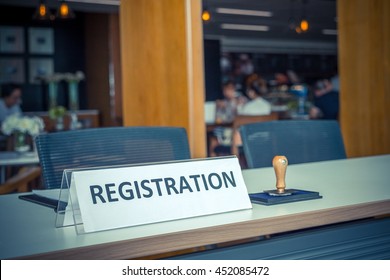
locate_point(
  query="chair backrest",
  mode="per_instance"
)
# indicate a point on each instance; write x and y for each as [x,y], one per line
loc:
[240,120]
[300,141]
[245,119]
[108,146]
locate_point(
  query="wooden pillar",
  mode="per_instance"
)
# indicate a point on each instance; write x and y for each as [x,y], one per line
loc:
[97,65]
[162,66]
[364,68]
[115,70]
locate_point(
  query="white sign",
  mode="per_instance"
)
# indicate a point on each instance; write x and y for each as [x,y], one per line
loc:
[128,196]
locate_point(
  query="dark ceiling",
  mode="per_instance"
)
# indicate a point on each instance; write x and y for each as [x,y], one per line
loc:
[321,14]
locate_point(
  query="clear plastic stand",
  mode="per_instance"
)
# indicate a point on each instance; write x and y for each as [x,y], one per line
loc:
[63,201]
[67,207]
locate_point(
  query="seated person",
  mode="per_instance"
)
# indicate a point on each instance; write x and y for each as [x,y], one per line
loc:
[256,106]
[9,103]
[226,108]
[326,102]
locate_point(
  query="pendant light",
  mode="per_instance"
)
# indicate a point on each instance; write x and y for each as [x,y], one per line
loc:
[42,12]
[64,11]
[304,24]
[206,15]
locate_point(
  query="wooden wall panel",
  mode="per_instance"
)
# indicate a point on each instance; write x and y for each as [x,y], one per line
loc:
[364,58]
[195,73]
[97,62]
[115,70]
[162,66]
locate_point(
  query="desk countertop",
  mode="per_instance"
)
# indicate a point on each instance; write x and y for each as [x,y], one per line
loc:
[15,158]
[352,189]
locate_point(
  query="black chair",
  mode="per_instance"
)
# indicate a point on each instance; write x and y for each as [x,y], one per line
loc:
[300,141]
[99,147]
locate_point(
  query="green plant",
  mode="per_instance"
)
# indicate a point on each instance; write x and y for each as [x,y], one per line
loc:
[57,112]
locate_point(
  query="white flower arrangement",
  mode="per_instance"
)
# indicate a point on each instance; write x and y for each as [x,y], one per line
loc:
[23,124]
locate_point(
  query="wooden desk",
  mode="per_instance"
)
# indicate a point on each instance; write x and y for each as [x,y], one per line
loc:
[352,189]
[16,159]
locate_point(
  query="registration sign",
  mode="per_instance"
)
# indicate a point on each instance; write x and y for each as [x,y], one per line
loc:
[128,196]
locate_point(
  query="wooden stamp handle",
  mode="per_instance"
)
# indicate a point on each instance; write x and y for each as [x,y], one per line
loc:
[280,165]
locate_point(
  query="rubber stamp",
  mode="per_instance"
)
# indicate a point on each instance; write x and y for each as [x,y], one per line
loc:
[282,194]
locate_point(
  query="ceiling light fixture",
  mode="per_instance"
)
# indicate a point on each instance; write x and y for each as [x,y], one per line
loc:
[244,12]
[206,15]
[64,11]
[42,12]
[304,24]
[245,27]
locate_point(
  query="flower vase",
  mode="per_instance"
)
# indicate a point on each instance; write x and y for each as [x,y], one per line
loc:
[52,94]
[60,123]
[73,95]
[74,123]
[21,144]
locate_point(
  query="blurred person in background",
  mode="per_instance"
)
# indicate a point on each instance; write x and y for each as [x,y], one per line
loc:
[326,99]
[226,108]
[256,87]
[11,98]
